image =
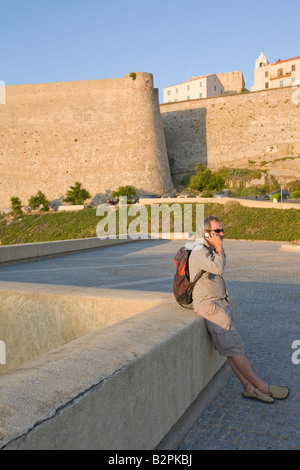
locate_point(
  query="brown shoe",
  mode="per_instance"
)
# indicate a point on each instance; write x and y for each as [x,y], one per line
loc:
[258,395]
[280,393]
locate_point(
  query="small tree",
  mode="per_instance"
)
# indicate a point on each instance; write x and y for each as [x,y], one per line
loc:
[128,191]
[16,205]
[77,195]
[39,200]
[204,179]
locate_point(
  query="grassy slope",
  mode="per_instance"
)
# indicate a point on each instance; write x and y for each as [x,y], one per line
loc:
[239,222]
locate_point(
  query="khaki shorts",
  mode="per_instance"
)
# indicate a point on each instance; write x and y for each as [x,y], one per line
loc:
[220,324]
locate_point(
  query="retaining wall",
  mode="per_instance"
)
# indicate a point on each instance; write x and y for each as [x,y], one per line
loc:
[10,254]
[120,387]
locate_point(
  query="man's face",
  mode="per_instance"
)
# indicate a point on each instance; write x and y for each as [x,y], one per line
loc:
[214,225]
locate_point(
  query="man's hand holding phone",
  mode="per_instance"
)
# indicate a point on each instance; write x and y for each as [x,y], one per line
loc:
[216,240]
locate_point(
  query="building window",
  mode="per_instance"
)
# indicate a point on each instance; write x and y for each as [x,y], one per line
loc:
[266,74]
[221,92]
[187,97]
[266,85]
[280,72]
[281,83]
[188,87]
[200,84]
[176,90]
[293,68]
[215,88]
[169,92]
[293,80]
[200,96]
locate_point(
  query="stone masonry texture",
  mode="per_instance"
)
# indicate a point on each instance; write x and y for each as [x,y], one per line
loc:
[231,130]
[113,132]
[102,133]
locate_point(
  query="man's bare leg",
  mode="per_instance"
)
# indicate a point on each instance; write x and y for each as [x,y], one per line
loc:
[245,373]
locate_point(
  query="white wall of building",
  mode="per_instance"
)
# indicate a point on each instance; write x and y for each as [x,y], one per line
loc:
[196,88]
[281,73]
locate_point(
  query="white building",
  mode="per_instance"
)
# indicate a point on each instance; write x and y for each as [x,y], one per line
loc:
[194,89]
[281,73]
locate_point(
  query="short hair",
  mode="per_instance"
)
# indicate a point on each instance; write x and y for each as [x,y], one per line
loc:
[208,220]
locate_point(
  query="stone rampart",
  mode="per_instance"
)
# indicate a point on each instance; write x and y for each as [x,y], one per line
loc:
[235,131]
[102,133]
[109,133]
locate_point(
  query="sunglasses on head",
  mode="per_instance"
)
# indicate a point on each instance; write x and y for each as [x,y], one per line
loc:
[217,230]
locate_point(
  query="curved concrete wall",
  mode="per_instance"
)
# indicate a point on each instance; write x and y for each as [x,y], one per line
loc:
[121,387]
[35,319]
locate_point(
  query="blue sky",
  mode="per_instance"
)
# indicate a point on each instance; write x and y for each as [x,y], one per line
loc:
[69,40]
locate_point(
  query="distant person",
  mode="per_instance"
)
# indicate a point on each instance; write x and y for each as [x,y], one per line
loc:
[210,301]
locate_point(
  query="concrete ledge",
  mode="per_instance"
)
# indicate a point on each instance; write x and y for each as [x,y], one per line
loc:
[10,254]
[121,387]
[292,248]
[223,200]
[70,208]
[37,318]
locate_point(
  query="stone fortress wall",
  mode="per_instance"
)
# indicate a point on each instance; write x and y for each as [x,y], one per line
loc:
[112,132]
[102,133]
[232,130]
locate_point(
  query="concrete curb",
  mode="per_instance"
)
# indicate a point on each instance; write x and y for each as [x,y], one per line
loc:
[223,200]
[291,248]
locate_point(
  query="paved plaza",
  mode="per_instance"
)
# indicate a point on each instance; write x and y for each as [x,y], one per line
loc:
[265,284]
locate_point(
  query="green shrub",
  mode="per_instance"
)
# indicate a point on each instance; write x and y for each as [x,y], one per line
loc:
[16,205]
[250,191]
[205,179]
[207,194]
[76,195]
[295,194]
[125,191]
[39,200]
[270,185]
[275,196]
[185,180]
[236,178]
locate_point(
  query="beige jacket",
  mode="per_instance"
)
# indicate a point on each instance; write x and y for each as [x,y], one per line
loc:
[211,286]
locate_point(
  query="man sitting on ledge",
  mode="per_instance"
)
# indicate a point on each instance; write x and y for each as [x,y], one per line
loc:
[210,300]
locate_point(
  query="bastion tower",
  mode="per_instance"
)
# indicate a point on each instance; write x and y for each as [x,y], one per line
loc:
[102,133]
